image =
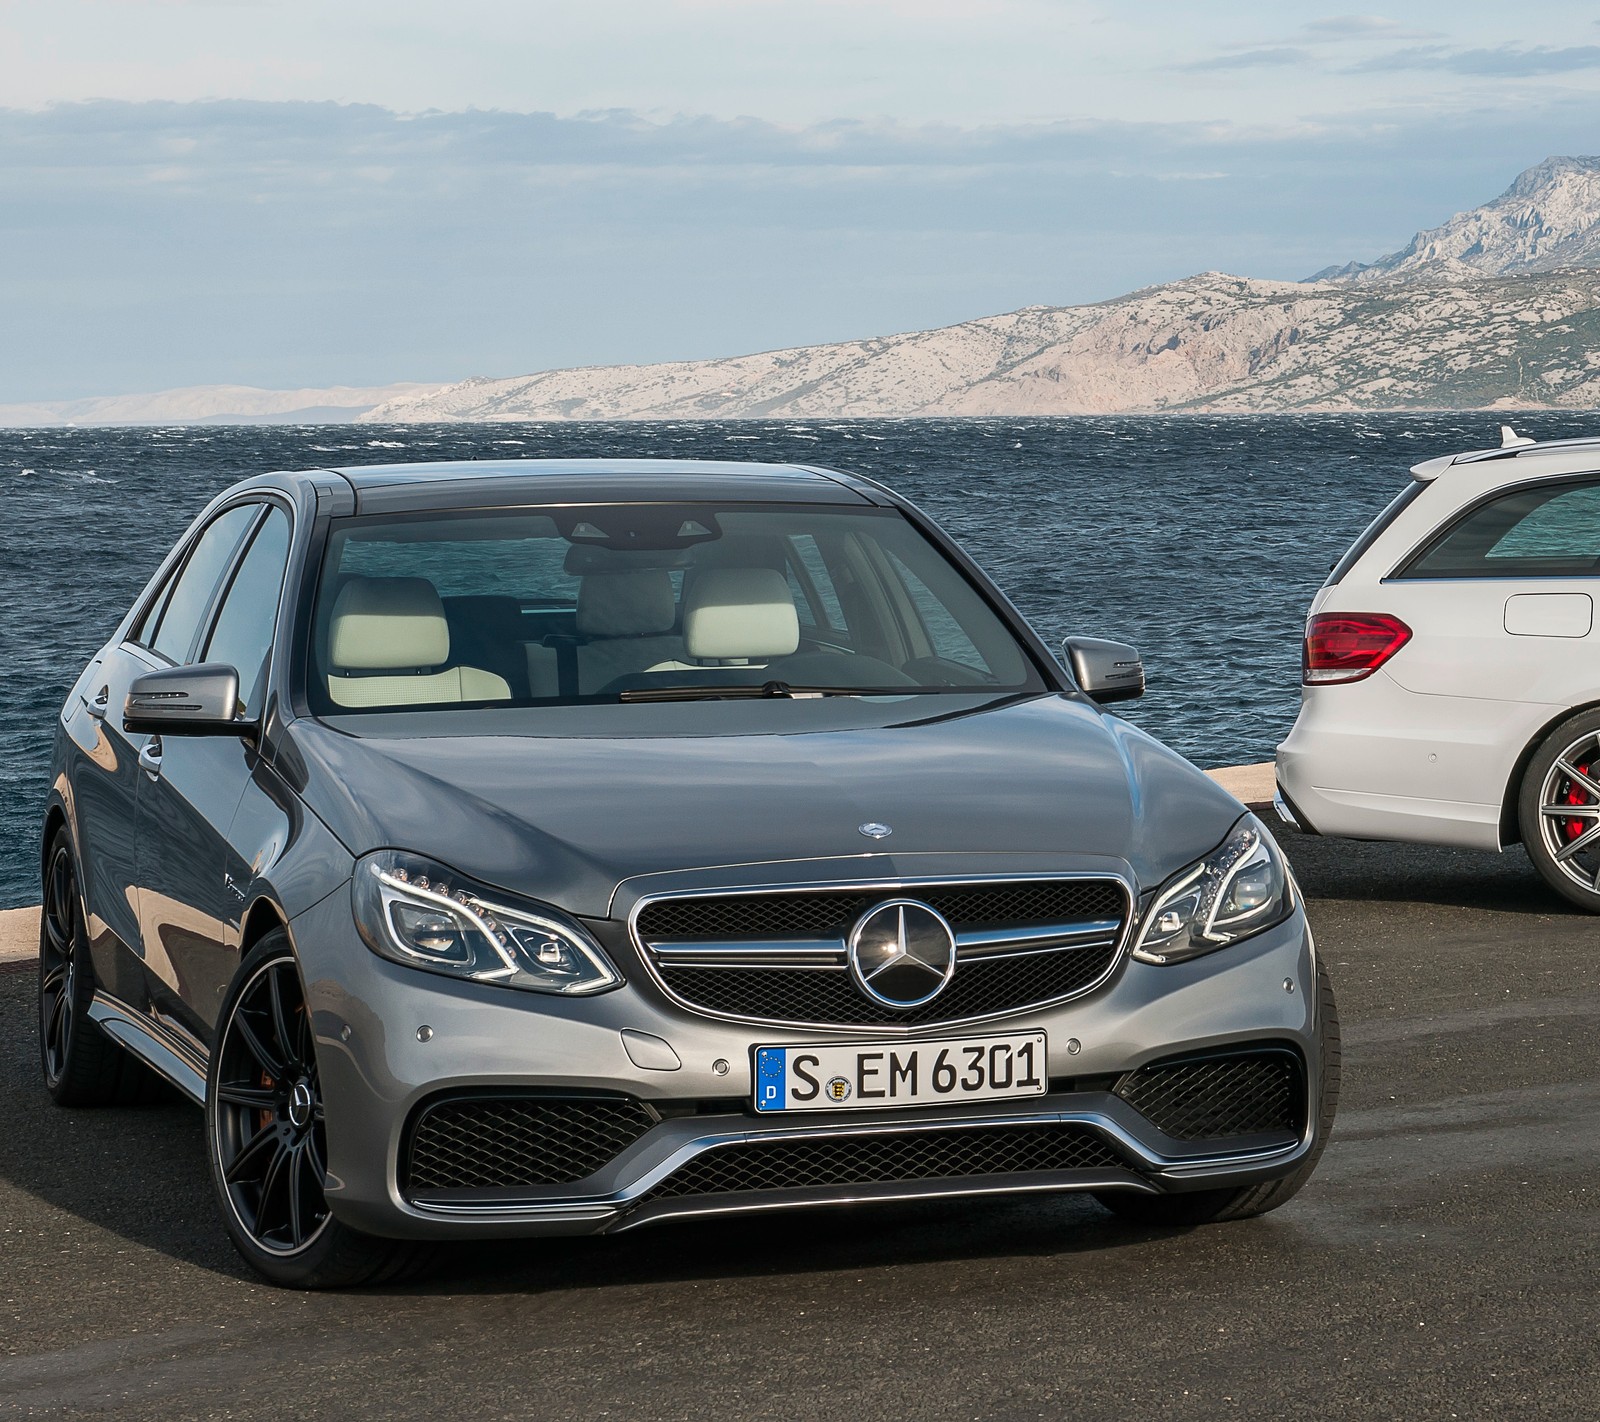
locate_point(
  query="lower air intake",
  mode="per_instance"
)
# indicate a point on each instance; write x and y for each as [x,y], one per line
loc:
[501,1142]
[1215,1097]
[890,1158]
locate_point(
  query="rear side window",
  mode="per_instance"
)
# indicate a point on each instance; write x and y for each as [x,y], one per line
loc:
[191,595]
[1550,531]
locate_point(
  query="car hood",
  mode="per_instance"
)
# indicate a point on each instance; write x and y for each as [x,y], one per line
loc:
[568,818]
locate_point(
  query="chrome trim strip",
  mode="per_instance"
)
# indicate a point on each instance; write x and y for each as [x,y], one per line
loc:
[1061,935]
[888,887]
[1159,1167]
[157,1047]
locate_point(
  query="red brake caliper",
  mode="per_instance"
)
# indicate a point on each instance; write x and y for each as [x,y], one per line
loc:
[1575,796]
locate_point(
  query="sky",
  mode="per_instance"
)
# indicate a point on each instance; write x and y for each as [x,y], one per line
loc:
[293,193]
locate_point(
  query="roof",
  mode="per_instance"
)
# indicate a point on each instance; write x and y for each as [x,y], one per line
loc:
[1512,446]
[463,483]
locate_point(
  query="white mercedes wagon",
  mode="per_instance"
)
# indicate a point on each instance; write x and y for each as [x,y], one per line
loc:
[1451,673]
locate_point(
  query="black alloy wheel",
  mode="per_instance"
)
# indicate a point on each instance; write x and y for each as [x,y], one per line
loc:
[268,1137]
[82,1066]
[58,970]
[271,1142]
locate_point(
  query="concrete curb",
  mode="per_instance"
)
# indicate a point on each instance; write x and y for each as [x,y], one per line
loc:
[19,928]
[1253,784]
[19,935]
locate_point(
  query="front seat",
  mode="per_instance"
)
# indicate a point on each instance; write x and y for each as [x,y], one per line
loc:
[389,645]
[739,615]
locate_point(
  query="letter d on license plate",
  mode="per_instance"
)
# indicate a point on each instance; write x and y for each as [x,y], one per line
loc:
[854,1075]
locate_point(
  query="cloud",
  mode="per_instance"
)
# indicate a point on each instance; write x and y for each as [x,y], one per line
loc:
[1280,56]
[1507,61]
[1338,28]
[147,245]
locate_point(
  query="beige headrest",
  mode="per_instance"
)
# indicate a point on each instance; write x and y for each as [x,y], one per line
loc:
[638,602]
[386,624]
[737,613]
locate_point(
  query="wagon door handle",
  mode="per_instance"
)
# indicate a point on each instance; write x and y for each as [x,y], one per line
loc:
[97,707]
[150,757]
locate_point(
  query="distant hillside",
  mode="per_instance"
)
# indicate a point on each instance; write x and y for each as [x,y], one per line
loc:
[212,405]
[1548,219]
[1498,307]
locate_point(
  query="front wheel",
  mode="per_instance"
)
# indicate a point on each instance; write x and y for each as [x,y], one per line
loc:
[267,1137]
[1558,810]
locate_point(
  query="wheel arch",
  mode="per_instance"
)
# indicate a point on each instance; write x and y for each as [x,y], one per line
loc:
[260,919]
[1510,828]
[55,820]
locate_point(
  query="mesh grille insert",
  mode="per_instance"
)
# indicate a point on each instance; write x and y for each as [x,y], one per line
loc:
[823,995]
[757,916]
[1240,1094]
[500,1142]
[1005,982]
[890,1158]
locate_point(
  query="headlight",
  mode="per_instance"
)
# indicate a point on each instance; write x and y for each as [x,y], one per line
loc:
[1238,889]
[419,913]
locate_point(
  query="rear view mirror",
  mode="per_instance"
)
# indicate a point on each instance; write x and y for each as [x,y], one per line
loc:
[1105,671]
[201,700]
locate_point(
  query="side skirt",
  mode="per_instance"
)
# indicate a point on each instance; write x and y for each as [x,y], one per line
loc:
[179,1059]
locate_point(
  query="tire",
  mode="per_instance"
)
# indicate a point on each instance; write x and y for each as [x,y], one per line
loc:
[1558,810]
[82,1066]
[1200,1207]
[267,1140]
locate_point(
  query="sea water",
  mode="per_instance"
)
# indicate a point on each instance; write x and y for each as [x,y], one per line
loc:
[1200,539]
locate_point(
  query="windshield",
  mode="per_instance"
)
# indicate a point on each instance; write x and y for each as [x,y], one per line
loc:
[646,602]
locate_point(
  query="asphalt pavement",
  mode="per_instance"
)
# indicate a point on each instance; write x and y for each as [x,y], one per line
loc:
[1441,1264]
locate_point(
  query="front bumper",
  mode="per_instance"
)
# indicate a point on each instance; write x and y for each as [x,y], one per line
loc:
[377,1068]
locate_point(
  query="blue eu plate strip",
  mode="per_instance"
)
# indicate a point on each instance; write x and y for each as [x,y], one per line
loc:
[770,1064]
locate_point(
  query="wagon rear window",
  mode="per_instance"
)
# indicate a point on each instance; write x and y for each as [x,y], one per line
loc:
[1552,530]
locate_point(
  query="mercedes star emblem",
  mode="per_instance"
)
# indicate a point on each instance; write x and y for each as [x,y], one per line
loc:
[902,953]
[873,830]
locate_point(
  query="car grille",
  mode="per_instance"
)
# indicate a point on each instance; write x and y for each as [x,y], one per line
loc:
[783,958]
[499,1142]
[1211,1098]
[889,1158]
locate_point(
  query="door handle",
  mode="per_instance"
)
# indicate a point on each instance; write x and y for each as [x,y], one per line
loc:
[150,757]
[102,700]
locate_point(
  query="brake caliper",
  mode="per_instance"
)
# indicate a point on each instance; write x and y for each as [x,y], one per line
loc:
[1575,796]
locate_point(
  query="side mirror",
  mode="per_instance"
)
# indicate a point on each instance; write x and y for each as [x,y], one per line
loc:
[1105,671]
[201,700]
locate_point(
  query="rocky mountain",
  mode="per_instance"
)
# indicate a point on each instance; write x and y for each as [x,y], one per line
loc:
[1548,219]
[1499,307]
[212,405]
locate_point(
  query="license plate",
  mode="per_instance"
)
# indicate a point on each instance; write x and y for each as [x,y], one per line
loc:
[900,1074]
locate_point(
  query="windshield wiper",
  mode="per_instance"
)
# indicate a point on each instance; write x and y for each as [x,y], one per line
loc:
[744,691]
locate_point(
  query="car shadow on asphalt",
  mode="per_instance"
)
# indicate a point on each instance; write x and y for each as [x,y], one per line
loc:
[139,1174]
[1404,874]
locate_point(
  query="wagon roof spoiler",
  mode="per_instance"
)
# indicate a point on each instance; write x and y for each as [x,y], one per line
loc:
[1511,445]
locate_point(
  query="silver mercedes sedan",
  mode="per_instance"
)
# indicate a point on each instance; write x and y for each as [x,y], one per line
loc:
[562,847]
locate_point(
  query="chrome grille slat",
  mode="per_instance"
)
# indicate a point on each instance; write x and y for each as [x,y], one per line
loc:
[779,955]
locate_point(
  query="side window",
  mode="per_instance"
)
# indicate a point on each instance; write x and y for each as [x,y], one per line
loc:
[242,634]
[809,555]
[191,594]
[944,632]
[1549,531]
[144,629]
